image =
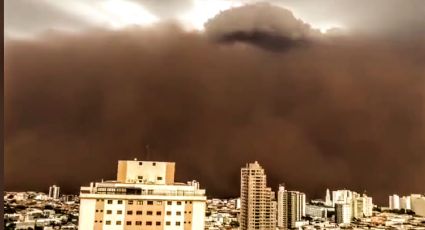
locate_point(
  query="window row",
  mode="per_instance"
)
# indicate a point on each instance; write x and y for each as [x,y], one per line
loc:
[140,202]
[149,213]
[147,223]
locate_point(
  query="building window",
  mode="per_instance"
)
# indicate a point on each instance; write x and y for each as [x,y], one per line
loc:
[190,202]
[158,223]
[129,212]
[108,211]
[177,223]
[108,222]
[148,223]
[168,223]
[159,178]
[138,222]
[119,212]
[140,177]
[149,213]
[140,163]
[178,213]
[130,202]
[153,163]
[109,201]
[128,223]
[139,212]
[118,222]
[139,202]
[120,202]
[169,202]
[150,202]
[159,202]
[168,213]
[179,203]
[158,213]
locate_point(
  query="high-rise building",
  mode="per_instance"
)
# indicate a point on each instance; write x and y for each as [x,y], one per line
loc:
[258,206]
[362,206]
[54,192]
[328,200]
[291,207]
[405,203]
[343,213]
[144,196]
[341,196]
[418,204]
[394,202]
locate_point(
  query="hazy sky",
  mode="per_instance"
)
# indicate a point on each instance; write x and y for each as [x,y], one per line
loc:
[257,81]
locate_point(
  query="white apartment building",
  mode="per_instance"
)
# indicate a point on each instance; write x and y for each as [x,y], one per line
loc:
[405,203]
[258,207]
[291,207]
[362,206]
[341,196]
[54,192]
[144,196]
[418,204]
[343,213]
[394,202]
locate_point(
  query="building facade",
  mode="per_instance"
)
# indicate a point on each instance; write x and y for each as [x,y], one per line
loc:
[258,206]
[54,192]
[144,196]
[343,213]
[291,207]
[394,202]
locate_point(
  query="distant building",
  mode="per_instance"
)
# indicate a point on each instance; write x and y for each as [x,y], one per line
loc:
[291,207]
[405,203]
[328,200]
[341,197]
[394,202]
[343,213]
[316,211]
[418,204]
[362,206]
[144,196]
[54,192]
[258,206]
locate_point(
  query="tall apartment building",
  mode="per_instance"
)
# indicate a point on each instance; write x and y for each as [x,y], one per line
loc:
[258,207]
[394,202]
[341,196]
[144,196]
[54,192]
[405,203]
[343,213]
[291,207]
[362,206]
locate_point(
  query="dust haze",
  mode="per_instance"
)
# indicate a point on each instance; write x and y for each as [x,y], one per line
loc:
[340,112]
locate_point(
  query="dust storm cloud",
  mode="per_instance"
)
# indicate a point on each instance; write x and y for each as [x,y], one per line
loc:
[343,111]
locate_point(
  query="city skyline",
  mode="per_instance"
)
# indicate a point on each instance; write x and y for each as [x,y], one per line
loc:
[327,94]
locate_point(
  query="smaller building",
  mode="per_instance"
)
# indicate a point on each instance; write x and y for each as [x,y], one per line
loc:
[54,192]
[343,213]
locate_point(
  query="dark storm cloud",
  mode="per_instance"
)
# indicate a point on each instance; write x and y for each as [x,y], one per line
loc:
[267,26]
[345,112]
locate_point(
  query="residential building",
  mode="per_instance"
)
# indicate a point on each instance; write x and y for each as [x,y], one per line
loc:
[394,202]
[291,207]
[258,205]
[418,204]
[343,213]
[405,203]
[144,196]
[54,192]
